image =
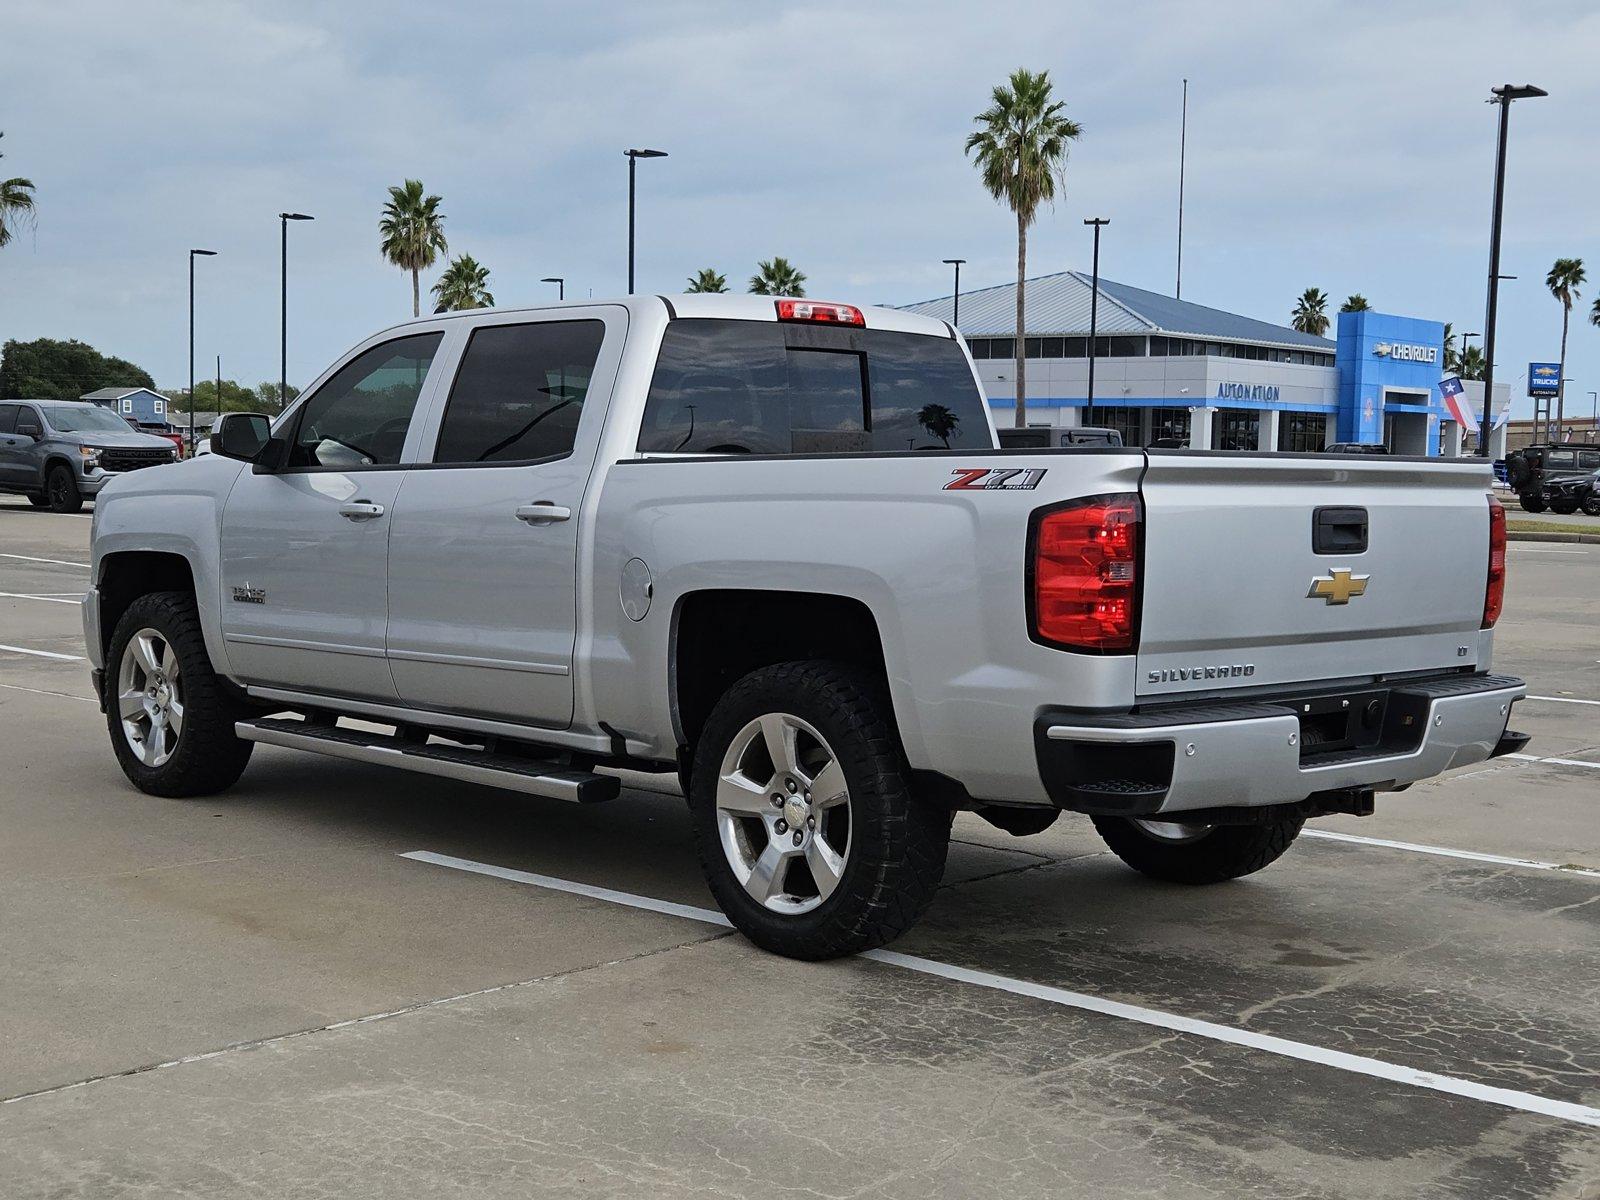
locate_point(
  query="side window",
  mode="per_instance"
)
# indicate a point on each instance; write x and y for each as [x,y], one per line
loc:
[519,393]
[359,418]
[8,418]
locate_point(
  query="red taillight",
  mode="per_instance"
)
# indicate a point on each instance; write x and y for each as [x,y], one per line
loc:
[1085,565]
[1494,591]
[821,314]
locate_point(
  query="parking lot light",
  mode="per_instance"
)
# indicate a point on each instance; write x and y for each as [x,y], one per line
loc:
[192,254]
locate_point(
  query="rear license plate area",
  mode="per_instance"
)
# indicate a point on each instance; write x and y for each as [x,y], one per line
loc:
[1347,721]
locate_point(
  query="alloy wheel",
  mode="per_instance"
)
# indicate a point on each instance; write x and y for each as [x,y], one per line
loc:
[783,813]
[150,697]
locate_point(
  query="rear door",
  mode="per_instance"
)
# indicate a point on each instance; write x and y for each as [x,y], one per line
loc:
[1241,590]
[13,448]
[483,548]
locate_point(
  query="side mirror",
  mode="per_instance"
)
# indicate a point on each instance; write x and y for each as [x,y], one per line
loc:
[241,435]
[29,429]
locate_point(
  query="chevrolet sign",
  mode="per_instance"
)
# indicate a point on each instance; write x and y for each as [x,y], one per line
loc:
[1406,353]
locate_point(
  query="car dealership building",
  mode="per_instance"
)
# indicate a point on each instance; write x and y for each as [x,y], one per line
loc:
[1172,371]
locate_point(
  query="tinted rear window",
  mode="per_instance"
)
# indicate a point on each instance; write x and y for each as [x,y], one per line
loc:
[750,387]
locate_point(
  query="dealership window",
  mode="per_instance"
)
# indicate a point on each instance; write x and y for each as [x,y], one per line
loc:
[1075,347]
[1236,429]
[1302,433]
[1003,348]
[1169,425]
[1129,422]
[978,347]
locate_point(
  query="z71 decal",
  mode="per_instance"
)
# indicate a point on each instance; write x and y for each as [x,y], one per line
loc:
[983,479]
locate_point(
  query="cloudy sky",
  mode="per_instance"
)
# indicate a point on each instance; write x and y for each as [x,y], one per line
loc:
[1342,145]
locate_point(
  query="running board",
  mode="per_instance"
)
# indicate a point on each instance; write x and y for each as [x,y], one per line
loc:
[528,776]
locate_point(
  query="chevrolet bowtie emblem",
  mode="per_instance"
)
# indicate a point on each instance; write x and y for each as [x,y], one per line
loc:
[1337,586]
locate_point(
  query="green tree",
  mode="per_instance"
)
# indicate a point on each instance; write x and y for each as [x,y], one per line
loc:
[1469,363]
[778,277]
[236,397]
[412,232]
[1449,346]
[1355,302]
[47,369]
[464,284]
[267,397]
[16,205]
[1564,280]
[707,279]
[1020,149]
[1311,312]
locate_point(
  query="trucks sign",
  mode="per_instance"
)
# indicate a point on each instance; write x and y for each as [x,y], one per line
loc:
[1544,379]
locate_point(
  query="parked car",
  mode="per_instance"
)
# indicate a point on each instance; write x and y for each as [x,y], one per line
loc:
[1573,493]
[57,452]
[773,548]
[1543,476]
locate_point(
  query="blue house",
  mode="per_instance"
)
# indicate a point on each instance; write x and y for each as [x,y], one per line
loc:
[140,405]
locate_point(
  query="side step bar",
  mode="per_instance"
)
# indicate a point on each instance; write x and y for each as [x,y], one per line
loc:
[529,776]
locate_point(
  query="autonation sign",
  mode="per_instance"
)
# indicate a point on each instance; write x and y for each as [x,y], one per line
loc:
[1406,353]
[1267,392]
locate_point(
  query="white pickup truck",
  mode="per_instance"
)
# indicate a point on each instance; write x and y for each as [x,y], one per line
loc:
[771,546]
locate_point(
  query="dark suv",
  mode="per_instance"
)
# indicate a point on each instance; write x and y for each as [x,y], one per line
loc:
[57,452]
[1544,476]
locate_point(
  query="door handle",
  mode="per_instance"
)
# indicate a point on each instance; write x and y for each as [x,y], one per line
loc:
[360,510]
[542,512]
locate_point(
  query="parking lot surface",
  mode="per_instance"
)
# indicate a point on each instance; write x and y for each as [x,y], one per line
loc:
[340,981]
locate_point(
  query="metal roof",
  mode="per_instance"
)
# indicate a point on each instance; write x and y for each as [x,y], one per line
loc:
[117,393]
[1059,305]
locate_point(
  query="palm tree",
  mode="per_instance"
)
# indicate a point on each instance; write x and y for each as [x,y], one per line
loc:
[778,277]
[1564,280]
[707,279]
[1020,150]
[464,284]
[413,234]
[1355,302]
[1470,363]
[16,205]
[1450,360]
[939,420]
[1311,312]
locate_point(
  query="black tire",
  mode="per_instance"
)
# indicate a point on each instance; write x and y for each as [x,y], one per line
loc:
[897,843]
[1224,852]
[208,756]
[1564,508]
[61,490]
[1517,470]
[1591,505]
[1533,504]
[38,500]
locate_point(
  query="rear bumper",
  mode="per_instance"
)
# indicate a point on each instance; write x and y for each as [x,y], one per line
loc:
[1250,754]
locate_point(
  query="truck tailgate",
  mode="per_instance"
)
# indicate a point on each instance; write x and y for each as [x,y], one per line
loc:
[1236,594]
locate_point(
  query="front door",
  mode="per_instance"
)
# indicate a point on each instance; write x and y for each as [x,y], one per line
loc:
[305,550]
[14,449]
[483,547]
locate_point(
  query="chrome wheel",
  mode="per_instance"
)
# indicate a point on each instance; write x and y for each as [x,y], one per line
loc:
[150,697]
[783,813]
[1171,831]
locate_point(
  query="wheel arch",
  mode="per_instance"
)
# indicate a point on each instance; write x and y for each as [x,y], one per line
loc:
[721,635]
[125,575]
[53,460]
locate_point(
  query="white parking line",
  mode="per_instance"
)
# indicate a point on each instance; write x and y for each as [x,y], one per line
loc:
[59,562]
[1562,699]
[1560,762]
[46,599]
[42,653]
[1283,1047]
[12,687]
[1498,860]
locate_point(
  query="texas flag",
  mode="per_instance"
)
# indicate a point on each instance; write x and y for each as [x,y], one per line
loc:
[1452,390]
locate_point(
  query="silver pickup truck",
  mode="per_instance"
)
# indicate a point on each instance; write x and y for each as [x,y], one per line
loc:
[771,547]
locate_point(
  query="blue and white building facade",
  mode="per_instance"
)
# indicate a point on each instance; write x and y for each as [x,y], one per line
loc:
[1175,372]
[136,404]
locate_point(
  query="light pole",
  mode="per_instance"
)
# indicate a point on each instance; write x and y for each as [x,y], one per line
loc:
[955,317]
[1094,300]
[633,161]
[1464,338]
[192,253]
[1503,96]
[561,283]
[283,316]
